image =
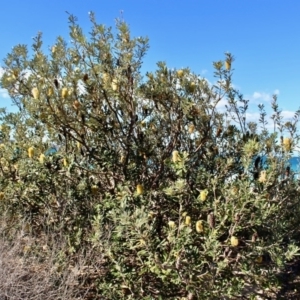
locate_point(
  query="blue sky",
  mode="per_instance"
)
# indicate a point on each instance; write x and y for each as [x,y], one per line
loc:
[263,35]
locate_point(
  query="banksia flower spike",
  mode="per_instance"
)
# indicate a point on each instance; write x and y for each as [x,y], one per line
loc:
[263,176]
[199,226]
[188,220]
[175,156]
[35,93]
[64,93]
[172,224]
[203,195]
[50,91]
[1,195]
[287,144]
[227,65]
[139,189]
[180,73]
[191,87]
[30,152]
[42,158]
[122,159]
[234,241]
[114,85]
[65,162]
[94,189]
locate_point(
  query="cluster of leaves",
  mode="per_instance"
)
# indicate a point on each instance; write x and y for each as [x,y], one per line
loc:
[170,191]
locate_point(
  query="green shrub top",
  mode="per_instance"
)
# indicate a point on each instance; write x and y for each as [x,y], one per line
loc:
[150,172]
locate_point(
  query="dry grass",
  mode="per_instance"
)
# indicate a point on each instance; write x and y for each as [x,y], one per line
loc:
[31,269]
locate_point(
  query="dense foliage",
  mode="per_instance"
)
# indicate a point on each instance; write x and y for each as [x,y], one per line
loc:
[175,197]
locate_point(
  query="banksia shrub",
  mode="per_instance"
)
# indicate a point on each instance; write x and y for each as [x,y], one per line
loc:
[173,199]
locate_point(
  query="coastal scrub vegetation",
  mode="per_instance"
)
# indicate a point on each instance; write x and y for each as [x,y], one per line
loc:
[115,185]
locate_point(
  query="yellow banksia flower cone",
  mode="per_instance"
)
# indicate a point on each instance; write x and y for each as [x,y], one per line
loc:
[78,144]
[114,85]
[65,162]
[50,92]
[287,144]
[64,93]
[180,73]
[139,189]
[191,87]
[30,152]
[35,93]
[227,65]
[42,158]
[94,189]
[263,176]
[203,195]
[199,226]
[172,224]
[234,241]
[1,195]
[175,156]
[188,220]
[268,145]
[122,159]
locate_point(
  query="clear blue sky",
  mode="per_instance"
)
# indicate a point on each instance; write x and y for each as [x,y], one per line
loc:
[263,35]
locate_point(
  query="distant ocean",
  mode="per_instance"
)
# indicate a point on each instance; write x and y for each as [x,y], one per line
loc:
[295,165]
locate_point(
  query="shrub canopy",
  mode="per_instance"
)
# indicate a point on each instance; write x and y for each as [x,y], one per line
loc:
[168,190]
